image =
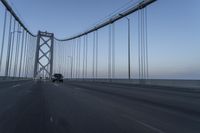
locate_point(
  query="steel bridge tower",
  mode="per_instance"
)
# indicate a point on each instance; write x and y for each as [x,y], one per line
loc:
[44,55]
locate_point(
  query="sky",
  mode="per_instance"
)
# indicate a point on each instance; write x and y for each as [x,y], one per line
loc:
[173,31]
[64,17]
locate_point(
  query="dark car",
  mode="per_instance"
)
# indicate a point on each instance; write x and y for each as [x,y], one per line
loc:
[57,77]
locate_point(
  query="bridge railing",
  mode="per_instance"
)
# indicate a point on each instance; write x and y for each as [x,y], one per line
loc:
[17,45]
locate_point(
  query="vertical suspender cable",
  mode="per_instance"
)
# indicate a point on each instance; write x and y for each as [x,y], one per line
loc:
[147,57]
[63,62]
[129,48]
[71,59]
[31,55]
[8,49]
[86,55]
[54,56]
[24,57]
[27,56]
[62,57]
[142,44]
[67,61]
[17,51]
[139,45]
[58,58]
[83,58]
[79,54]
[109,52]
[60,54]
[3,38]
[66,58]
[22,47]
[58,61]
[77,58]
[12,46]
[93,62]
[97,40]
[16,47]
[74,57]
[113,50]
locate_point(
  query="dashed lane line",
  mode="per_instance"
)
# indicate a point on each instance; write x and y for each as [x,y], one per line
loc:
[14,86]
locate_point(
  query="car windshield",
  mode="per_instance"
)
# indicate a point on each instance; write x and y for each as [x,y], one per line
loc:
[58,75]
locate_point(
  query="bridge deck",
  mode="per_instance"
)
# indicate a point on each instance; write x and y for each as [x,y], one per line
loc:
[79,107]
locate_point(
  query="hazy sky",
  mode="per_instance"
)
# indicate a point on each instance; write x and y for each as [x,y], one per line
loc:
[64,17]
[173,30]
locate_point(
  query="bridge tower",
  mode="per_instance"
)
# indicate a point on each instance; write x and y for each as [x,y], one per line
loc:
[44,55]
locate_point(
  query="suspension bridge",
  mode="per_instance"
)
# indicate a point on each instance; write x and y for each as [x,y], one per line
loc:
[94,97]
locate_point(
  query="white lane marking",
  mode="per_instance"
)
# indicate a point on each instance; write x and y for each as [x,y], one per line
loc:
[29,91]
[56,85]
[149,126]
[144,124]
[17,85]
[77,88]
[5,109]
[51,119]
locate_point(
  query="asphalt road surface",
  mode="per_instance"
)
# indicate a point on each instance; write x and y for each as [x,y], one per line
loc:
[89,107]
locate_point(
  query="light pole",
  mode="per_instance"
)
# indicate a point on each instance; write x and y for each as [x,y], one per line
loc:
[129,46]
[71,60]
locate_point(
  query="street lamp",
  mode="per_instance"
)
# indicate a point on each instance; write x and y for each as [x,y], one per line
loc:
[129,45]
[71,60]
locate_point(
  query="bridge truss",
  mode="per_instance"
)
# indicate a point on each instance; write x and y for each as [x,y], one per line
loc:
[44,55]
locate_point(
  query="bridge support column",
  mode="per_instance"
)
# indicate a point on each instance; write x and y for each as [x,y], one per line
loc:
[44,55]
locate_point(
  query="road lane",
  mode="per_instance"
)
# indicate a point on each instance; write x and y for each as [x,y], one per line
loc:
[170,120]
[79,107]
[174,99]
